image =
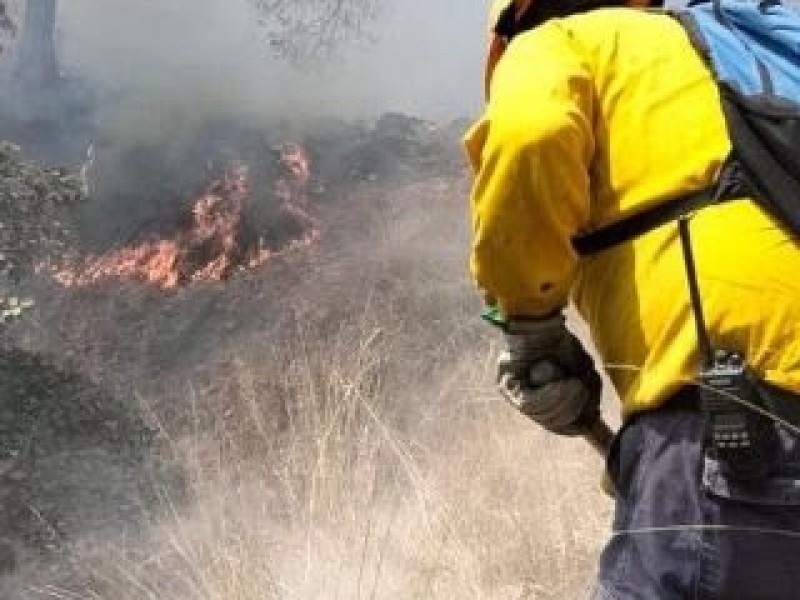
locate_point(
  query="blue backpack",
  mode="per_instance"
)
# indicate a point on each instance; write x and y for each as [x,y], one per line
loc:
[753,50]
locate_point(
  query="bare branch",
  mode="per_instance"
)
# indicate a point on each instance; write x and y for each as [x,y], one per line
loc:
[7,25]
[308,30]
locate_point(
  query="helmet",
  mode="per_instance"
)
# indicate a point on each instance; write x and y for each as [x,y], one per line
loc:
[508,18]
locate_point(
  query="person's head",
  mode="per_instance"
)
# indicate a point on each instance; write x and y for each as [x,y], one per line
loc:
[509,18]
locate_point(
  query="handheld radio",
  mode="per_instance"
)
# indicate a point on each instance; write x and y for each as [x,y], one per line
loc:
[739,434]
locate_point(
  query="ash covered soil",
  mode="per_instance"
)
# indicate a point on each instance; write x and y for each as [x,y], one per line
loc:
[99,383]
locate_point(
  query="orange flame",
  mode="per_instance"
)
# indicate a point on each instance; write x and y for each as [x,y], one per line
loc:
[210,247]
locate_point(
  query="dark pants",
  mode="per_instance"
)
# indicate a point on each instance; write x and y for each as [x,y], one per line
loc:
[683,530]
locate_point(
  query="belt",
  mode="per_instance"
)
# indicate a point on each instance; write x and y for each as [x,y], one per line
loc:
[781,403]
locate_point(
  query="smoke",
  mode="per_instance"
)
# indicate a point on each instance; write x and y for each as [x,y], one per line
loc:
[422,57]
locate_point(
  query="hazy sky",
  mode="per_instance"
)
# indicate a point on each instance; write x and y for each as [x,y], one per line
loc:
[426,60]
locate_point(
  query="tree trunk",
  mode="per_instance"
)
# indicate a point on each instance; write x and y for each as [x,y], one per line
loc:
[37,66]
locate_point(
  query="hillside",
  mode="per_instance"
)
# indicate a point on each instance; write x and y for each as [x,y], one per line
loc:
[322,425]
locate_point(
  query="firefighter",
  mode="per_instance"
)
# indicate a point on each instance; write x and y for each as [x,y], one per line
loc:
[591,117]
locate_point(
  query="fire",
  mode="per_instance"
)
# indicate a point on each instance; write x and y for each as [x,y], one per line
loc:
[295,160]
[213,244]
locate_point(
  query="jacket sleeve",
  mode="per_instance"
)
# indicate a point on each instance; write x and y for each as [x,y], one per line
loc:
[530,153]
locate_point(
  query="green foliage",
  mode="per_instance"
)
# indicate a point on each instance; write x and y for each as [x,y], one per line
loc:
[33,208]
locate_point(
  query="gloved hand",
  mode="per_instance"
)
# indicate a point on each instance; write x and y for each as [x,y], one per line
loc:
[547,375]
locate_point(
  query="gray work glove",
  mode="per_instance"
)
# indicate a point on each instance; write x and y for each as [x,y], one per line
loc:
[547,375]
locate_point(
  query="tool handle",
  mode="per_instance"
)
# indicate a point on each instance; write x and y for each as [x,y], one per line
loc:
[599,435]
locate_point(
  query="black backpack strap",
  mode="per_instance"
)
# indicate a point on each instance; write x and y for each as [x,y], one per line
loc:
[766,137]
[732,183]
[636,225]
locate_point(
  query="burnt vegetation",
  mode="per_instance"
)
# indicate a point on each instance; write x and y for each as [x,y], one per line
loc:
[114,393]
[108,375]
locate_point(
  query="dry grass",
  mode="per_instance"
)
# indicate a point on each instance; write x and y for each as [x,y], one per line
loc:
[367,457]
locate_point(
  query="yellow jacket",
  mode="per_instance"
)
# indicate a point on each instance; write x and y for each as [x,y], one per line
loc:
[594,117]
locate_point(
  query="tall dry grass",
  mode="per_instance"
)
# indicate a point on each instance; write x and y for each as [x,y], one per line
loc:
[362,453]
